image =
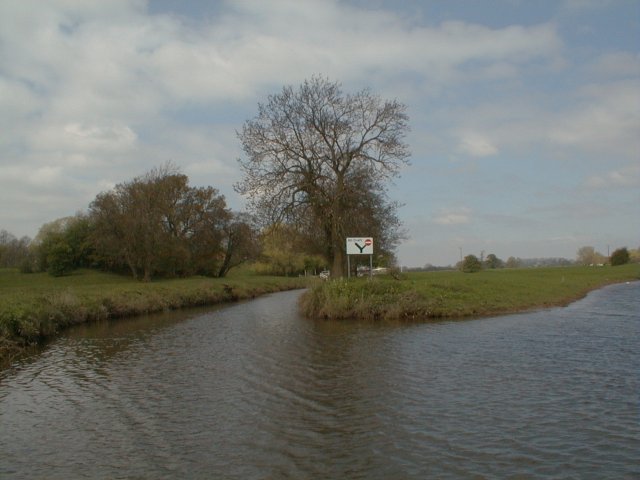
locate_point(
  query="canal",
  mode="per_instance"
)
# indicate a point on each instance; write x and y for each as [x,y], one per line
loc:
[253,390]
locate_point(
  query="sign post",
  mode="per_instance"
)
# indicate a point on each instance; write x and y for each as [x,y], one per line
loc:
[360,246]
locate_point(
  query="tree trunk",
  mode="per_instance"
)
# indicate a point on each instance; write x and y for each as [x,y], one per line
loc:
[337,270]
[147,269]
[132,267]
[224,268]
[337,227]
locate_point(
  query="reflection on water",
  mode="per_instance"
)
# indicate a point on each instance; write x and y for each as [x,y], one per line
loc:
[255,391]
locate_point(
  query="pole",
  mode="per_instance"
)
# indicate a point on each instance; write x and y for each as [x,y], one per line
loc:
[348,266]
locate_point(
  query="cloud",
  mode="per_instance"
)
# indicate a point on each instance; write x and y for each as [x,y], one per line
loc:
[621,178]
[95,93]
[88,87]
[85,63]
[616,64]
[476,145]
[453,216]
[576,5]
[510,221]
[599,121]
[605,120]
[77,137]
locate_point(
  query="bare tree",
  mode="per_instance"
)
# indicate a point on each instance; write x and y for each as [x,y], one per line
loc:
[588,256]
[311,151]
[13,252]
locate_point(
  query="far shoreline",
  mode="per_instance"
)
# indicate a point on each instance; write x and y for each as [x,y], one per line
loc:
[41,307]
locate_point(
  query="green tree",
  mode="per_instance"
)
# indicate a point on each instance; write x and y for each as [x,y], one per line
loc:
[620,256]
[315,154]
[471,264]
[77,234]
[492,262]
[60,258]
[313,264]
[66,242]
[283,250]
[157,224]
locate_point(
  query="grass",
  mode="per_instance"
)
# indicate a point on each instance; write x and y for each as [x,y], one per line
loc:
[36,306]
[455,294]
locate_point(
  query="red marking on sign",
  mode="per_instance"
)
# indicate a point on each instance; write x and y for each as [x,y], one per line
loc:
[368,242]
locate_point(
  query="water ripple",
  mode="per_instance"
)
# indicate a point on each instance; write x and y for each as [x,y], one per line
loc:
[250,392]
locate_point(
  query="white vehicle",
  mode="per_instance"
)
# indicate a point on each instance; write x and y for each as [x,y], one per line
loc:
[325,274]
[380,271]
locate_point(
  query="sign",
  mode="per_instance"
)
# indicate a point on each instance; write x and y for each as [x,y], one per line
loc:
[359,246]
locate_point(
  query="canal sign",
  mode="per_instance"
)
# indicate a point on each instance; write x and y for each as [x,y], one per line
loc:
[359,246]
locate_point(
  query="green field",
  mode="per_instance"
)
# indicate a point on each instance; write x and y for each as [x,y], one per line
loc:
[37,306]
[454,294]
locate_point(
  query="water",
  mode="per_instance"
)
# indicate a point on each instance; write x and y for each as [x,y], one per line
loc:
[255,391]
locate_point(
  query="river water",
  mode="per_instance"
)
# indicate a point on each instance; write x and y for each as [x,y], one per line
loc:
[254,391]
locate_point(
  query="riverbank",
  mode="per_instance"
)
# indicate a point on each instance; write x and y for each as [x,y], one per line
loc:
[34,307]
[453,294]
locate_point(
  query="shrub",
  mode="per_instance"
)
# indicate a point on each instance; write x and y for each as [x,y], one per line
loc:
[60,260]
[620,256]
[471,264]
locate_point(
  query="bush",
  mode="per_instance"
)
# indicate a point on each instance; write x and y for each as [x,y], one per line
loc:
[471,264]
[60,260]
[620,256]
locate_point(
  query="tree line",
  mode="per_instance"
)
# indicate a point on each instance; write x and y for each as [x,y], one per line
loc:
[157,225]
[154,225]
[586,256]
[316,168]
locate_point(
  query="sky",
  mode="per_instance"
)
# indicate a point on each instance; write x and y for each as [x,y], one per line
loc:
[524,115]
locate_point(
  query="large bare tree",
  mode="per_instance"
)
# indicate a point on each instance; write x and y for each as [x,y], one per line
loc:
[313,153]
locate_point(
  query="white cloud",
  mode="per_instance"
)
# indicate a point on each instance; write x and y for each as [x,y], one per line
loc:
[115,60]
[599,121]
[476,145]
[619,178]
[80,136]
[453,216]
[606,120]
[95,93]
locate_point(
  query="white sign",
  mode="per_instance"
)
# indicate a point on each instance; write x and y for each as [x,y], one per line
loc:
[359,246]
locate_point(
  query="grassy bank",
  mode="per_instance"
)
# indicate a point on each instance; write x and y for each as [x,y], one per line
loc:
[455,294]
[37,306]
